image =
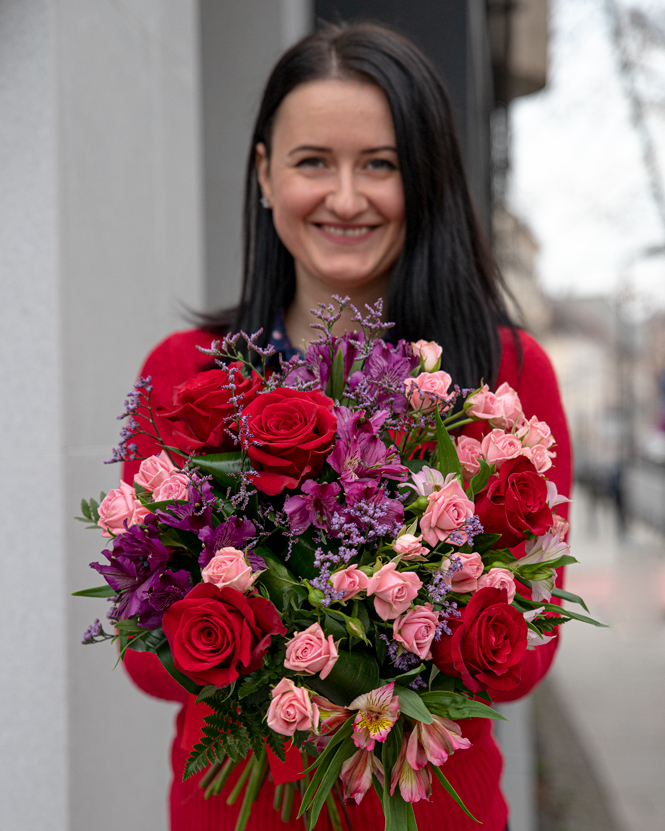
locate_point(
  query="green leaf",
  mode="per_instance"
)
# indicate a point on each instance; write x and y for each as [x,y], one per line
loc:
[477,484]
[165,656]
[448,460]
[449,788]
[94,507]
[452,705]
[207,692]
[356,629]
[354,673]
[100,591]
[85,510]
[148,642]
[128,627]
[484,542]
[223,467]
[392,809]
[331,771]
[335,387]
[412,705]
[570,597]
[552,607]
[406,675]
[276,578]
[301,561]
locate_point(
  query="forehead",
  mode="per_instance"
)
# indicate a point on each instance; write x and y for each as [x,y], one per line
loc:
[339,114]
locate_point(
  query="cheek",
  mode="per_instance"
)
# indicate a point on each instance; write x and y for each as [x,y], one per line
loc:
[294,200]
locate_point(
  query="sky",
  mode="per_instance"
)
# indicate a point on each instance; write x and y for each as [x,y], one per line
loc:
[578,179]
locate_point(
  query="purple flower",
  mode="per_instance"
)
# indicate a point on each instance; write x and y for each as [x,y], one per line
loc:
[234,533]
[163,592]
[195,514]
[318,361]
[359,455]
[137,561]
[314,507]
[381,380]
[256,562]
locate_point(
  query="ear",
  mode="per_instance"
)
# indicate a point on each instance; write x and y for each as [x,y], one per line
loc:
[263,170]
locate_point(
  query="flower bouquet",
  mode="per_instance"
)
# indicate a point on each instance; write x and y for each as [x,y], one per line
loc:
[321,556]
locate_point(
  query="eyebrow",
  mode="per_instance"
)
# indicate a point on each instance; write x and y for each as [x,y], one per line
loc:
[312,148]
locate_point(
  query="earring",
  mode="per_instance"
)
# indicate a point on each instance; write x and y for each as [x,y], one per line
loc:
[265,202]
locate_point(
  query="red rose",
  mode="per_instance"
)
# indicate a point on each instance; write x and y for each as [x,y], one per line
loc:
[217,634]
[198,418]
[515,502]
[296,430]
[487,643]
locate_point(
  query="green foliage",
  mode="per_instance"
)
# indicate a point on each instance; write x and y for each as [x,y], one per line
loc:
[484,542]
[223,467]
[447,458]
[480,480]
[453,706]
[90,511]
[328,766]
[100,591]
[335,387]
[224,734]
[164,654]
[354,673]
[412,705]
[449,788]
[570,597]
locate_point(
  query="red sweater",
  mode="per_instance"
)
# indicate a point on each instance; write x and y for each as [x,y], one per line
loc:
[475,773]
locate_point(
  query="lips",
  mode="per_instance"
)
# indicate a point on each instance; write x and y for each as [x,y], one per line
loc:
[345,234]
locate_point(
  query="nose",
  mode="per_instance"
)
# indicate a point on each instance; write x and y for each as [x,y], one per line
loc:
[345,199]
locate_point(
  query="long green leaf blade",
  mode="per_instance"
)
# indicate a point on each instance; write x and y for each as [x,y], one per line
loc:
[100,591]
[448,460]
[412,705]
[165,656]
[449,788]
[452,705]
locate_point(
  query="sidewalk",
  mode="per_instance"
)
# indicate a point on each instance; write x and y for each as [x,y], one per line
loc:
[610,683]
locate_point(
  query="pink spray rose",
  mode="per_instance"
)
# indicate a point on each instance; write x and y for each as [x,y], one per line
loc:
[499,578]
[511,406]
[534,432]
[153,471]
[468,453]
[446,511]
[539,456]
[291,709]
[229,568]
[393,590]
[466,579]
[483,404]
[174,487]
[498,446]
[428,390]
[349,580]
[117,506]
[416,630]
[429,353]
[310,652]
[410,546]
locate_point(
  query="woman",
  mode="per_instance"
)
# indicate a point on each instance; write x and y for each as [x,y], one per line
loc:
[355,186]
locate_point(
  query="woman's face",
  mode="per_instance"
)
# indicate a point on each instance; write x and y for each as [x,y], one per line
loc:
[334,184]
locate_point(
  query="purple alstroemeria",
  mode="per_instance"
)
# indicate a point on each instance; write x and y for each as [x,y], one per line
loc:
[381,381]
[359,455]
[368,506]
[314,506]
[234,533]
[135,564]
[162,593]
[196,513]
[319,365]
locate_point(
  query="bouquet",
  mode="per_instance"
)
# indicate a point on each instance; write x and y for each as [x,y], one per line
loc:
[323,558]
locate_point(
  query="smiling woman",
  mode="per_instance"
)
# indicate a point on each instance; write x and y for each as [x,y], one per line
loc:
[355,186]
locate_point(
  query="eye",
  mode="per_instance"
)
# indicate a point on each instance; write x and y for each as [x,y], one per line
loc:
[310,161]
[381,164]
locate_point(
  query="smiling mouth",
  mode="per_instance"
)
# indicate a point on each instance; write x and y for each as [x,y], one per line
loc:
[356,231]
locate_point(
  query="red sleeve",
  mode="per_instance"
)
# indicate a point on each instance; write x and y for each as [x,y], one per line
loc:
[535,382]
[171,363]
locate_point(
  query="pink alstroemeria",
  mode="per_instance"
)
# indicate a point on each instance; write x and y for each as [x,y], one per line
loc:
[378,710]
[427,481]
[356,774]
[434,742]
[414,785]
[332,717]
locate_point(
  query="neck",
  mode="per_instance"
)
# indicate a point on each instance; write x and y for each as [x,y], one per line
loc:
[309,293]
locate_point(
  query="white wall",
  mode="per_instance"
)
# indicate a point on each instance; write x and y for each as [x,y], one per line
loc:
[33,710]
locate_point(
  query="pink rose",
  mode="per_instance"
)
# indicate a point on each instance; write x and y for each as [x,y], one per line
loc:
[394,590]
[429,353]
[416,630]
[310,652]
[483,404]
[409,546]
[428,390]
[175,487]
[466,579]
[446,511]
[350,581]
[117,506]
[534,432]
[154,471]
[468,453]
[291,709]
[511,406]
[229,568]
[539,456]
[499,578]
[498,446]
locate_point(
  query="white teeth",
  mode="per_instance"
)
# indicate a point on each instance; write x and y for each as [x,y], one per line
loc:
[346,232]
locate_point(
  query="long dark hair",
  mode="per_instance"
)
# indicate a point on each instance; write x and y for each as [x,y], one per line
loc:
[445,285]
